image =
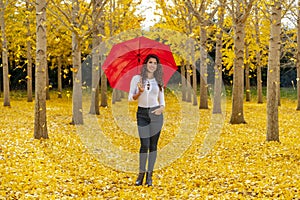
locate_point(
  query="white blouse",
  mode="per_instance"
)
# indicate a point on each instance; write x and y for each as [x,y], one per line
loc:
[151,96]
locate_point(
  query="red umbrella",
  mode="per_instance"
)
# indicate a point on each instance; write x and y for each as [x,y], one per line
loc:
[125,60]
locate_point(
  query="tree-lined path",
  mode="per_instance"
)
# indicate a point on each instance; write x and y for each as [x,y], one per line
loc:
[231,120]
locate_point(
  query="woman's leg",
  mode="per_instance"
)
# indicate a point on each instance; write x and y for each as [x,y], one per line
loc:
[144,134]
[153,151]
[152,158]
[145,145]
[156,125]
[155,129]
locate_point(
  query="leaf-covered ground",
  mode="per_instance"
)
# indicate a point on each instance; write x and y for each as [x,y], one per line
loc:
[234,163]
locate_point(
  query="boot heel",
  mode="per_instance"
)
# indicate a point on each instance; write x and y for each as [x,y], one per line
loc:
[149,178]
[139,180]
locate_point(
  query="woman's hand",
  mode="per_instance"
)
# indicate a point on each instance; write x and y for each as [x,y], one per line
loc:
[140,86]
[158,111]
[141,90]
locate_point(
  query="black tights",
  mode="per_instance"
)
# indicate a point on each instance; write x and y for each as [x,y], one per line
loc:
[148,146]
[149,127]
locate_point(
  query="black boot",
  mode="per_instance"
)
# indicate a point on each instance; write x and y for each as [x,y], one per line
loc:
[139,180]
[149,178]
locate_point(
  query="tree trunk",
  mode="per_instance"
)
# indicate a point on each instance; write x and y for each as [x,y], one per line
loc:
[94,108]
[188,78]
[40,120]
[103,90]
[59,74]
[97,29]
[122,94]
[183,81]
[119,95]
[47,84]
[6,101]
[258,57]
[259,81]
[237,115]
[103,84]
[298,58]
[273,70]
[203,19]
[203,69]
[29,56]
[217,109]
[194,70]
[116,96]
[247,73]
[77,117]
[278,81]
[195,102]
[298,84]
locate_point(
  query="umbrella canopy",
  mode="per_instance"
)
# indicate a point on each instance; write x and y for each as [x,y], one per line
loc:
[125,60]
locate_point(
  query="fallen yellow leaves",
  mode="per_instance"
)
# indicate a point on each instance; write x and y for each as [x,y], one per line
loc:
[236,163]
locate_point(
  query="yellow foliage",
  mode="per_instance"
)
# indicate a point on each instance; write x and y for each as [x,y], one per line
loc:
[74,69]
[240,166]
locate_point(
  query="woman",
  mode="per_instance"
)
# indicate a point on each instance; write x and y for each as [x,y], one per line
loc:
[147,88]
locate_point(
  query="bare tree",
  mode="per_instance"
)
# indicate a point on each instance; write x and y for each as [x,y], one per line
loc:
[40,120]
[273,73]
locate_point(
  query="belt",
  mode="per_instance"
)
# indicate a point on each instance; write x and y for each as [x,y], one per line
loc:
[147,108]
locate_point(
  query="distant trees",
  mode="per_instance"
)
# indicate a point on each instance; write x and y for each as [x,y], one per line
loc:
[238,41]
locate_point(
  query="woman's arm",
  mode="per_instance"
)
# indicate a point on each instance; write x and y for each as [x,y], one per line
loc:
[161,97]
[140,90]
[136,96]
[134,91]
[159,110]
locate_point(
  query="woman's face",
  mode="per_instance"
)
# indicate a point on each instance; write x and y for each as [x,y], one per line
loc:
[151,65]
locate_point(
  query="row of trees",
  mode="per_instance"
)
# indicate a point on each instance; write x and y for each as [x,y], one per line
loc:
[71,27]
[245,35]
[258,40]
